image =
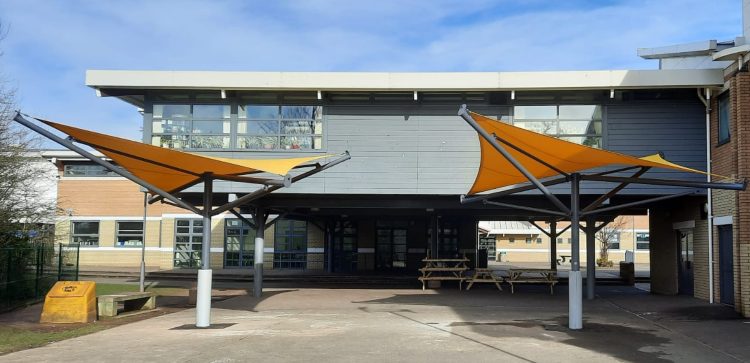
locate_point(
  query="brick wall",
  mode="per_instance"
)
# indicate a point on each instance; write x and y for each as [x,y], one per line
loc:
[732,160]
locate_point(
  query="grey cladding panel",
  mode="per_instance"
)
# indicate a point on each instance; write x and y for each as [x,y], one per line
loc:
[430,150]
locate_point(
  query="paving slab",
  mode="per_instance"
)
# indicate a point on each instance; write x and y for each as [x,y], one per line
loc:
[398,325]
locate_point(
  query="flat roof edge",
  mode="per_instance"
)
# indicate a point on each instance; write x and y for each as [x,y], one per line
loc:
[387,81]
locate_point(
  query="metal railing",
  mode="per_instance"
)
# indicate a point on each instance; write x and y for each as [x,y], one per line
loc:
[27,273]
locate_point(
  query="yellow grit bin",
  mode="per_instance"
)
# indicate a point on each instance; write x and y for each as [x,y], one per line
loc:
[70,302]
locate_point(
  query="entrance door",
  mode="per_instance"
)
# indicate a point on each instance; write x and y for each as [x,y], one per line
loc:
[726,265]
[390,248]
[344,258]
[239,244]
[685,259]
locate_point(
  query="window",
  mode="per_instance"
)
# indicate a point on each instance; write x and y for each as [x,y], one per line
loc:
[83,169]
[129,234]
[290,244]
[269,127]
[642,240]
[528,241]
[538,241]
[581,124]
[511,240]
[570,240]
[188,242]
[614,241]
[86,234]
[448,239]
[191,126]
[724,133]
[559,240]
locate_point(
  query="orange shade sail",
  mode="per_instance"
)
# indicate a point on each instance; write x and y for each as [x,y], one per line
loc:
[496,172]
[170,169]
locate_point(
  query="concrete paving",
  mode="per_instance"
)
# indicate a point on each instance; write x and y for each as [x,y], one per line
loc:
[481,325]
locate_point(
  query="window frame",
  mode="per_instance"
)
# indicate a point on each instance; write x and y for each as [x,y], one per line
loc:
[73,233]
[119,233]
[189,134]
[289,258]
[190,234]
[279,119]
[558,120]
[647,242]
[723,99]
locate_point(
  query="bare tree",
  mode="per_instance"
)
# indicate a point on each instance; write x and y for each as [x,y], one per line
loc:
[22,207]
[606,236]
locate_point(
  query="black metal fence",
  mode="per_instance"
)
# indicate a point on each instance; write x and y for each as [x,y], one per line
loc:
[27,273]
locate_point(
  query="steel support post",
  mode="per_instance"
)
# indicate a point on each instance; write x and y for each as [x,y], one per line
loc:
[464,113]
[590,257]
[575,298]
[203,301]
[260,223]
[142,279]
[553,245]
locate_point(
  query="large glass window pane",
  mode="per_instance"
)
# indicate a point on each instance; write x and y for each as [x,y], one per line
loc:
[215,112]
[209,142]
[298,127]
[258,142]
[724,133]
[580,127]
[296,142]
[168,126]
[542,127]
[171,111]
[535,112]
[258,112]
[85,227]
[580,112]
[170,141]
[258,127]
[301,112]
[211,127]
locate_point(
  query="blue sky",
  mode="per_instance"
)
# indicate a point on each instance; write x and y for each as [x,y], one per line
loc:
[50,44]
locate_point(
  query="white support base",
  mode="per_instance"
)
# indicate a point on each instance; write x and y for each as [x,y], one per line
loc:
[258,267]
[575,300]
[203,301]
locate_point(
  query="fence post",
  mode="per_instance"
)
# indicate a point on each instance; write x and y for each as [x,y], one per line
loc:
[78,259]
[38,263]
[59,261]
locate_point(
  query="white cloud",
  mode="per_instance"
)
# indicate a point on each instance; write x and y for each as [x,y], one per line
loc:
[52,43]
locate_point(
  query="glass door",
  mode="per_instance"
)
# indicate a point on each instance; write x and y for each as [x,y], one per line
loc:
[239,244]
[685,260]
[390,248]
[344,246]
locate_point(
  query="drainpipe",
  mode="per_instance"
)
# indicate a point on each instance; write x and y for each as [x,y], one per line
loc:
[707,102]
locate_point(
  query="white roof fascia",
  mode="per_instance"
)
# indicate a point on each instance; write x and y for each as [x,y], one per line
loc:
[383,81]
[732,54]
[705,47]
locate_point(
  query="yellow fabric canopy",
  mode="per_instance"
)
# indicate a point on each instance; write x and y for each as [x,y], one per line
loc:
[170,169]
[497,172]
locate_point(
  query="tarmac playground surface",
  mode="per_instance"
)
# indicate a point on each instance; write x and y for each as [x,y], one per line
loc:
[295,324]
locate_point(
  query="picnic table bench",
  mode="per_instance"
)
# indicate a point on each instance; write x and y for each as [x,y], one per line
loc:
[484,275]
[532,276]
[562,259]
[107,304]
[443,269]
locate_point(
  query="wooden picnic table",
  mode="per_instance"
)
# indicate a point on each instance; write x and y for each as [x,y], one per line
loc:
[443,269]
[532,276]
[484,275]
